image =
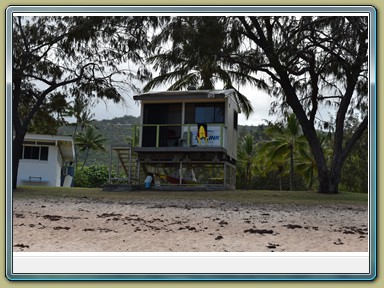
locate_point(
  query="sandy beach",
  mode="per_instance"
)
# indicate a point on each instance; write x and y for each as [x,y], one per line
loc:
[86,225]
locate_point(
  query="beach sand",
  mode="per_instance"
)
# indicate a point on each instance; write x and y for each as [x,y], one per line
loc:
[86,225]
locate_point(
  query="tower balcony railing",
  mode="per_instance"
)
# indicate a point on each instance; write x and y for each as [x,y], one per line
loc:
[180,135]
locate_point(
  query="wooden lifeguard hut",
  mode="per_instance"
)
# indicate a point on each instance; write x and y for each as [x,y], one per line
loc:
[188,138]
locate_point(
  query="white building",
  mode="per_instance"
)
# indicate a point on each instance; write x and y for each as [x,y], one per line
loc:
[46,160]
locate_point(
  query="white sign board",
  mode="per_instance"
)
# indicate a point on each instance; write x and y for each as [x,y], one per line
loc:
[213,139]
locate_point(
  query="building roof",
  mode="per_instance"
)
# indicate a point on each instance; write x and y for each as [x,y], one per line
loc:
[65,143]
[189,94]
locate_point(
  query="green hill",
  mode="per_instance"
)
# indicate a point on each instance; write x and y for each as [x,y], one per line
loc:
[115,131]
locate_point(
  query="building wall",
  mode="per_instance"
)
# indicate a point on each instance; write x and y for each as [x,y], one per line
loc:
[59,164]
[47,170]
[231,136]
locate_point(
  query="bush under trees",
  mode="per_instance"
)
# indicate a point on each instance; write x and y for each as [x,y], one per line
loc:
[94,176]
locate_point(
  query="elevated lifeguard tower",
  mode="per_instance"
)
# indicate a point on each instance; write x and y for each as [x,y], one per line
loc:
[188,138]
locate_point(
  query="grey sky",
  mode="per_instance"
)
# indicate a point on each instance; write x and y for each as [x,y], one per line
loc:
[260,101]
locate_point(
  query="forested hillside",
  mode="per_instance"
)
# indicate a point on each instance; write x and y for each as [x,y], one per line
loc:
[116,131]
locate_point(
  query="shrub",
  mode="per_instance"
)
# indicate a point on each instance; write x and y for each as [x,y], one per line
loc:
[81,178]
[94,176]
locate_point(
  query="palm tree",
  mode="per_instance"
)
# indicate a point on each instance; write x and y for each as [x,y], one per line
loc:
[134,137]
[287,138]
[83,117]
[306,166]
[89,141]
[196,57]
[82,113]
[246,157]
[269,161]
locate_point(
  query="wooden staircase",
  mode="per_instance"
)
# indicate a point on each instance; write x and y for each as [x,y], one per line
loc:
[127,160]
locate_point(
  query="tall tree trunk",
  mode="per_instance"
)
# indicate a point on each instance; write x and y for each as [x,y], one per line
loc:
[248,176]
[324,181]
[311,180]
[86,157]
[291,169]
[76,150]
[280,175]
[17,146]
[329,180]
[308,131]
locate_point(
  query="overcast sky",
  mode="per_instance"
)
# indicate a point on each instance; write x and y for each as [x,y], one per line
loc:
[260,101]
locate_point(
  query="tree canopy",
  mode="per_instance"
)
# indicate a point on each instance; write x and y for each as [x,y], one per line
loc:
[186,52]
[309,62]
[55,59]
